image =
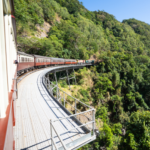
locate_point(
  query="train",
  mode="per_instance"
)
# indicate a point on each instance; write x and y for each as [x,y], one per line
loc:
[12,64]
[27,62]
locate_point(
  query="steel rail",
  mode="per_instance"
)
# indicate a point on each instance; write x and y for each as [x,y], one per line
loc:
[79,110]
[79,126]
[50,86]
[72,115]
[75,99]
[58,136]
[70,95]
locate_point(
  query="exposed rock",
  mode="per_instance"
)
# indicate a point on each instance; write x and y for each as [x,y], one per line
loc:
[58,18]
[43,30]
[123,131]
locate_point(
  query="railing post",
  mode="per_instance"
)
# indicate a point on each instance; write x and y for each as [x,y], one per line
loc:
[47,82]
[51,133]
[74,77]
[50,86]
[93,119]
[57,92]
[64,99]
[75,106]
[68,78]
[16,89]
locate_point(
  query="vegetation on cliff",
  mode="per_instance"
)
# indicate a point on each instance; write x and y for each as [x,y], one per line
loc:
[76,32]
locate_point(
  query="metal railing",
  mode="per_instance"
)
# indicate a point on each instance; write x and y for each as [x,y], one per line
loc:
[80,113]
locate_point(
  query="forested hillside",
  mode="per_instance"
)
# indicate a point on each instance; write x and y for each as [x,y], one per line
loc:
[76,32]
[118,87]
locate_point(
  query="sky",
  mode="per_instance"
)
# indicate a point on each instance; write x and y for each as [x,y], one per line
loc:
[122,9]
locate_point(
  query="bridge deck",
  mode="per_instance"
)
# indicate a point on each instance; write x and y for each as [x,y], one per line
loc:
[34,109]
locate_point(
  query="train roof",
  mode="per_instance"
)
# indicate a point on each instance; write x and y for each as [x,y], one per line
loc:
[57,58]
[23,53]
[70,59]
[38,56]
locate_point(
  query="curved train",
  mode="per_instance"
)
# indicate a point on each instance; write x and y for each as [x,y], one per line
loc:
[11,64]
[27,62]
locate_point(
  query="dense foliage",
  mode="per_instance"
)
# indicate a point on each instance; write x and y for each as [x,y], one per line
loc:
[118,87]
[119,91]
[76,32]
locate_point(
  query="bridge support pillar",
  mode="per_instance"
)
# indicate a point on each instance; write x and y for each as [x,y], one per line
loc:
[68,78]
[57,89]
[74,76]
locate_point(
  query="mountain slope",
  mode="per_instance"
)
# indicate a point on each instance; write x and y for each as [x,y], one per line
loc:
[75,32]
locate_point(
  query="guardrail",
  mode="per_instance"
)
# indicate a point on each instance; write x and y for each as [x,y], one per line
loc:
[85,117]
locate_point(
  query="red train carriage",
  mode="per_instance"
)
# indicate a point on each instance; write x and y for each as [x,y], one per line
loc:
[57,61]
[25,62]
[70,61]
[41,61]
